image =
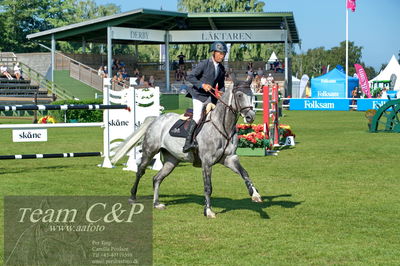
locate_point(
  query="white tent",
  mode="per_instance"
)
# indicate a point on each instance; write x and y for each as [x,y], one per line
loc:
[392,68]
[272,58]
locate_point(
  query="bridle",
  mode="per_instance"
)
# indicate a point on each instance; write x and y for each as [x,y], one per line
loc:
[228,106]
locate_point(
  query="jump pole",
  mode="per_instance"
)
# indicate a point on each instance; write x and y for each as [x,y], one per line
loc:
[50,155]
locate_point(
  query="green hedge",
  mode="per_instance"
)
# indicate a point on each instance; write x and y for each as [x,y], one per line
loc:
[81,116]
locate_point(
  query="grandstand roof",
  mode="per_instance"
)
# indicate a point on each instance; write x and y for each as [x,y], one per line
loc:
[95,30]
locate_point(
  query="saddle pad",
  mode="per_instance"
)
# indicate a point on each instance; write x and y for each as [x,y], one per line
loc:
[179,129]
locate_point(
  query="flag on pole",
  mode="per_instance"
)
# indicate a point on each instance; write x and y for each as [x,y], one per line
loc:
[351,4]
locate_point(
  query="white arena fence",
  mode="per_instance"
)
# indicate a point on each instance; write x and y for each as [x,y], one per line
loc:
[123,113]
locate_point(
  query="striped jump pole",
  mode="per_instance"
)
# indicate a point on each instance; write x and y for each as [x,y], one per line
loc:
[63,107]
[50,155]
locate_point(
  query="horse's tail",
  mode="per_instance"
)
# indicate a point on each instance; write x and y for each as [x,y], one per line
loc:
[132,140]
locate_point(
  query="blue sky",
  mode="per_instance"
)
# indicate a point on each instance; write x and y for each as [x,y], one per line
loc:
[375,25]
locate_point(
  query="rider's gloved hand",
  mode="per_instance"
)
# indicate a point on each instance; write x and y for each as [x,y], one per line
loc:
[207,87]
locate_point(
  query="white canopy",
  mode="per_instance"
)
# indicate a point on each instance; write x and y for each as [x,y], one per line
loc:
[273,57]
[392,68]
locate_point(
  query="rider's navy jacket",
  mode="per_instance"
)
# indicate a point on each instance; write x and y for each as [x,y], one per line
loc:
[204,73]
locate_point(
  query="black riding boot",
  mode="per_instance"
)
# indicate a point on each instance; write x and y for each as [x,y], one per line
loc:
[190,143]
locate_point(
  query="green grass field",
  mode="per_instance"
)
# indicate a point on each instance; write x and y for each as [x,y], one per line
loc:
[74,87]
[333,199]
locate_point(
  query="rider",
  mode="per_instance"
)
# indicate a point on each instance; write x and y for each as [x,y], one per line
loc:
[207,74]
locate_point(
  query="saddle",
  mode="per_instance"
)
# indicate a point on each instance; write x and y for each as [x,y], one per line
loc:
[179,129]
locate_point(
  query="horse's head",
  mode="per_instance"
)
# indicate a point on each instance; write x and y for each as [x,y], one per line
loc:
[242,100]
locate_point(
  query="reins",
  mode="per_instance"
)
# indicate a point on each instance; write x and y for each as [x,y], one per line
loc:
[225,134]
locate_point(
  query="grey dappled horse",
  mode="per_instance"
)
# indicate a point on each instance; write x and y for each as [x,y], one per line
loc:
[217,143]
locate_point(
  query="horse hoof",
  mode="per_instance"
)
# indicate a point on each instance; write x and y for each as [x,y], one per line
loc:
[210,214]
[131,201]
[256,199]
[160,206]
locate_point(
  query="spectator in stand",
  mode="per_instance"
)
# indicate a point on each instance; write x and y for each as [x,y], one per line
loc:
[120,77]
[250,72]
[256,84]
[100,72]
[260,72]
[3,70]
[263,80]
[180,74]
[125,75]
[115,79]
[116,66]
[136,73]
[151,81]
[181,61]
[250,66]
[270,80]
[142,81]
[276,65]
[17,71]
[105,72]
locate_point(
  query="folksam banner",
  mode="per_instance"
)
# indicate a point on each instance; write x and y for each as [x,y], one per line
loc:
[365,104]
[363,80]
[319,104]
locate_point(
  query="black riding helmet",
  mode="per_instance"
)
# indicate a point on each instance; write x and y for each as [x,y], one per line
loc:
[219,47]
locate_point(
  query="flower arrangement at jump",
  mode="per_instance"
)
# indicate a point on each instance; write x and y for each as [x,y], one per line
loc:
[252,136]
[48,119]
[284,132]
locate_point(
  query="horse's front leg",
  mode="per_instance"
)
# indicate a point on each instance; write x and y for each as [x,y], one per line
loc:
[233,163]
[207,191]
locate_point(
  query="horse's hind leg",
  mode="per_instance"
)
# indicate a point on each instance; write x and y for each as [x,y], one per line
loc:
[147,156]
[170,162]
[233,163]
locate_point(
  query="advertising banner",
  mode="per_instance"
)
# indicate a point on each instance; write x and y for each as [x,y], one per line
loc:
[365,104]
[363,80]
[319,104]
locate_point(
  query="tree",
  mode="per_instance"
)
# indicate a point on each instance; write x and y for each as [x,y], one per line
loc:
[23,17]
[313,61]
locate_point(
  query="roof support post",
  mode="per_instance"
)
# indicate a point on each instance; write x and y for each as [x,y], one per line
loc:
[53,55]
[106,100]
[167,69]
[287,89]
[109,52]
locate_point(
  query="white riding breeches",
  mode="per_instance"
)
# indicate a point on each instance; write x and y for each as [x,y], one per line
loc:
[198,108]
